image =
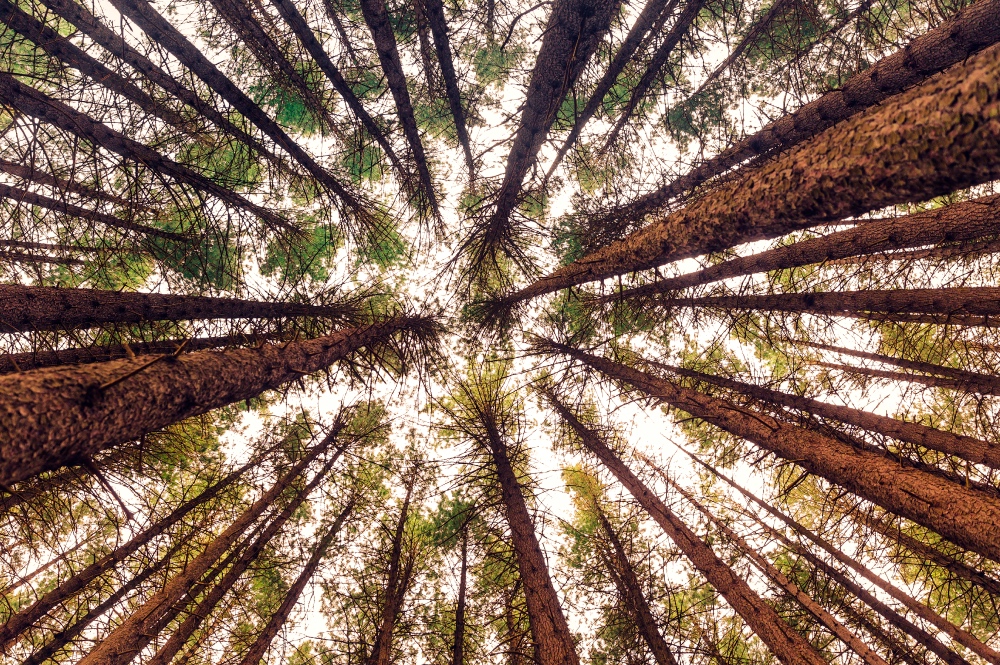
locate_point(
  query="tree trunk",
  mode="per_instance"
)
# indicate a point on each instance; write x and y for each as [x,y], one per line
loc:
[967,517]
[458,643]
[28,171]
[968,220]
[861,164]
[49,417]
[957,634]
[549,630]
[41,569]
[263,641]
[780,638]
[900,651]
[21,257]
[971,383]
[377,18]
[27,308]
[20,362]
[26,617]
[963,250]
[126,641]
[969,31]
[630,591]
[31,102]
[969,448]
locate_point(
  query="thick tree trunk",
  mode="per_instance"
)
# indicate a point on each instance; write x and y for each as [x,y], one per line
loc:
[377,17]
[26,308]
[19,362]
[630,590]
[27,616]
[780,638]
[263,641]
[49,417]
[126,641]
[971,383]
[968,220]
[550,633]
[29,172]
[969,448]
[856,166]
[458,643]
[967,517]
[969,31]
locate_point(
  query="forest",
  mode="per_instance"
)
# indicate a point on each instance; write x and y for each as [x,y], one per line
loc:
[515,332]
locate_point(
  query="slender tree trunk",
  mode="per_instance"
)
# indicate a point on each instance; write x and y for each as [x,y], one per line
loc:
[49,417]
[969,448]
[19,362]
[21,257]
[49,247]
[858,165]
[967,517]
[26,308]
[28,171]
[41,569]
[967,220]
[780,638]
[424,40]
[900,651]
[957,634]
[263,641]
[549,630]
[377,17]
[458,643]
[963,250]
[630,590]
[515,636]
[972,383]
[968,32]
[26,617]
[125,642]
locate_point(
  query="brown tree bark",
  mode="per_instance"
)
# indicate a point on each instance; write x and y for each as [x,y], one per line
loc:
[49,417]
[967,220]
[856,166]
[21,257]
[972,449]
[53,308]
[962,250]
[971,383]
[967,517]
[458,642]
[126,641]
[263,641]
[968,32]
[900,651]
[27,616]
[786,644]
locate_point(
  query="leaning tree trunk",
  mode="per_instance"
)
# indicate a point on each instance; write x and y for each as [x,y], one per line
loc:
[550,632]
[962,250]
[458,643]
[861,164]
[788,645]
[900,651]
[969,31]
[964,221]
[377,17]
[971,383]
[28,616]
[26,308]
[49,417]
[27,171]
[967,517]
[126,641]
[256,651]
[969,448]
[21,257]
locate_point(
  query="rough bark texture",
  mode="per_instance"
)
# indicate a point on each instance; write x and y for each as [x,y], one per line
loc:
[54,308]
[968,220]
[458,642]
[930,140]
[969,31]
[967,517]
[49,417]
[550,633]
[785,643]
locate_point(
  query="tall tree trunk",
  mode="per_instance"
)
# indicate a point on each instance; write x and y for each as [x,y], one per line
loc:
[549,630]
[957,634]
[126,641]
[21,257]
[27,308]
[263,641]
[630,591]
[900,651]
[515,637]
[51,416]
[967,220]
[28,171]
[27,616]
[780,638]
[969,31]
[651,14]
[458,643]
[19,362]
[31,102]
[856,166]
[963,250]
[971,383]
[377,18]
[969,448]
[967,517]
